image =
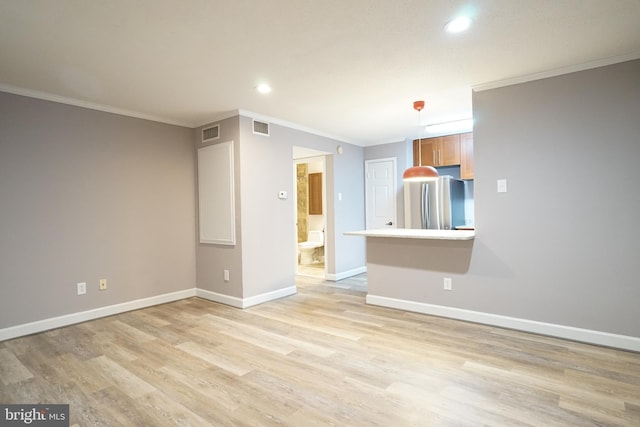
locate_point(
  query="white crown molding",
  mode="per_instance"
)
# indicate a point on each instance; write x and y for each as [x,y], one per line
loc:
[560,331]
[219,117]
[556,72]
[273,120]
[291,125]
[90,105]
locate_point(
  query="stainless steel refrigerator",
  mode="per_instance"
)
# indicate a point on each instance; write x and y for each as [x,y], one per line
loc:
[436,205]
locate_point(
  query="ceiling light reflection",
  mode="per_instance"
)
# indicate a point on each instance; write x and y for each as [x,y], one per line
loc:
[458,25]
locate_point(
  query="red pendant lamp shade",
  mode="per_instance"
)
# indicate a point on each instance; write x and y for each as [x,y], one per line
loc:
[419,173]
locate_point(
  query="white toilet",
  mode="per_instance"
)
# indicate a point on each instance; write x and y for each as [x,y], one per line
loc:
[308,248]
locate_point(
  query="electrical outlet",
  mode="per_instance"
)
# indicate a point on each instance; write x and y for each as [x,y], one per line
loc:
[226,275]
[82,288]
[103,284]
[448,284]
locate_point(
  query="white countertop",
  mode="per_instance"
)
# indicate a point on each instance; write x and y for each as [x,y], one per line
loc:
[408,233]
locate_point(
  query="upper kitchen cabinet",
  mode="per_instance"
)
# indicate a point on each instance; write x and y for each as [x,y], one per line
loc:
[466,156]
[440,151]
[450,150]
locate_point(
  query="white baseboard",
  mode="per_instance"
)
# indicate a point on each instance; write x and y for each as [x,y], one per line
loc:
[345,274]
[567,332]
[221,298]
[83,316]
[245,302]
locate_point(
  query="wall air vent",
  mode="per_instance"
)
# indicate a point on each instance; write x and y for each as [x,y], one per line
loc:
[211,133]
[261,128]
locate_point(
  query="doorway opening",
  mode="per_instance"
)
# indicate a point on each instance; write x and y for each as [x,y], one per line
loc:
[310,212]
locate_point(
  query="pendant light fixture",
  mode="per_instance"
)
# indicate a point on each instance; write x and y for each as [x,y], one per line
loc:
[420,173]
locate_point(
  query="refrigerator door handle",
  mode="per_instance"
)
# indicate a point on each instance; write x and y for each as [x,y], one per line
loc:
[440,203]
[426,206]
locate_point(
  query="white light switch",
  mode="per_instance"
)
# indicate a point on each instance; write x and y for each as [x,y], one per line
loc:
[282,195]
[502,186]
[339,196]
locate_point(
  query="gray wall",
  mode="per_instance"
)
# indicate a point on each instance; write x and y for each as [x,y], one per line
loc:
[263,259]
[346,180]
[562,245]
[271,222]
[212,260]
[86,195]
[268,238]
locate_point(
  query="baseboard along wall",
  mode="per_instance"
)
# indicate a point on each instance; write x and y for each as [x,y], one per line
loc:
[345,274]
[606,339]
[566,332]
[83,316]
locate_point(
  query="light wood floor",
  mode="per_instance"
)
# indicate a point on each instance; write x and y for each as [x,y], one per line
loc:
[321,357]
[311,270]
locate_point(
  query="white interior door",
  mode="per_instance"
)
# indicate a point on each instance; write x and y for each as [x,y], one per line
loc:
[380,193]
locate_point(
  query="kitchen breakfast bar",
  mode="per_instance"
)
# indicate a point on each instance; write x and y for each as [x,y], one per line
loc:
[415,269]
[409,233]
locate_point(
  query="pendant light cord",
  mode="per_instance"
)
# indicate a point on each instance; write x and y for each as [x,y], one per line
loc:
[419,140]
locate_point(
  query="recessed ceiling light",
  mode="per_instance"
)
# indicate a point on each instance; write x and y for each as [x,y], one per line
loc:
[263,88]
[458,25]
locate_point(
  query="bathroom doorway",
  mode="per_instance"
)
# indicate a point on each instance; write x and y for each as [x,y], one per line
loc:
[310,212]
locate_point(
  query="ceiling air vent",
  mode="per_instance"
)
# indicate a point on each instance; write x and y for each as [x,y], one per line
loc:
[211,133]
[261,128]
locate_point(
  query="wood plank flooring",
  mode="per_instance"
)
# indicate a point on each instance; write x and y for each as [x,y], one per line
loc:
[321,357]
[312,270]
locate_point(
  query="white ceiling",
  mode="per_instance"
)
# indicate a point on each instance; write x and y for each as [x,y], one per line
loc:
[346,68]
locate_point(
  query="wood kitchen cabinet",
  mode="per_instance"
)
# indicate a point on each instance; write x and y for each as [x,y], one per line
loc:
[450,150]
[439,151]
[315,194]
[466,155]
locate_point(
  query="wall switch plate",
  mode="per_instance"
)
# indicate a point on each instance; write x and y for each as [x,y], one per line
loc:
[448,284]
[502,185]
[103,284]
[82,288]
[226,275]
